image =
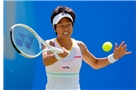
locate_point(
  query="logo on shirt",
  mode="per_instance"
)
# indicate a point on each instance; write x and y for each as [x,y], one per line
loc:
[65,67]
[77,56]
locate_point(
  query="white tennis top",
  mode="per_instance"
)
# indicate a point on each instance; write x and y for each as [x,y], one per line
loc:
[64,74]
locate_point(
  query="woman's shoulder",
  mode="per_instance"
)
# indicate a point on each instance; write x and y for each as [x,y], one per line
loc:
[81,44]
[51,41]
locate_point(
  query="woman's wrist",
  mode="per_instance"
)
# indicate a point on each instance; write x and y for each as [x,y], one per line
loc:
[111,58]
[58,57]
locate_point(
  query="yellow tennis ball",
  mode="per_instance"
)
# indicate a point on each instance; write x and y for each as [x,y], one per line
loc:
[107,46]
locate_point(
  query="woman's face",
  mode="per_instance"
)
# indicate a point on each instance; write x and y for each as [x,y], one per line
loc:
[64,28]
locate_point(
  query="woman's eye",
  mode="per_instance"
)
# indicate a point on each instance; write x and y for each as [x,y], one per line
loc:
[69,24]
[60,25]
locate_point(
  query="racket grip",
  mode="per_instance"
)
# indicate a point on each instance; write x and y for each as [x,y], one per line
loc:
[57,50]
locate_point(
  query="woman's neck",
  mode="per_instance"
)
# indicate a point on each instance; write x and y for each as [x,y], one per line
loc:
[67,43]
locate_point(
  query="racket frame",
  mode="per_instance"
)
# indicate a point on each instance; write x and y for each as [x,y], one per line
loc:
[49,48]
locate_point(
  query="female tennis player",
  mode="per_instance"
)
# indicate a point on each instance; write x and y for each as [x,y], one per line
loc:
[63,69]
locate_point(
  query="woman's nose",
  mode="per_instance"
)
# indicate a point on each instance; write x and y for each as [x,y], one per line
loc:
[66,28]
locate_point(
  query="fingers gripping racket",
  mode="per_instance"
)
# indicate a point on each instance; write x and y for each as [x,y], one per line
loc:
[27,42]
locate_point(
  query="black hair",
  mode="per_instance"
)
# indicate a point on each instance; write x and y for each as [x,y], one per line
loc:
[64,9]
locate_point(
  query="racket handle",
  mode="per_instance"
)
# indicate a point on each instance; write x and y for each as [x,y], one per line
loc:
[57,50]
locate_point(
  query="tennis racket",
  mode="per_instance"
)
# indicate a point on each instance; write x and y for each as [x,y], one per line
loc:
[28,43]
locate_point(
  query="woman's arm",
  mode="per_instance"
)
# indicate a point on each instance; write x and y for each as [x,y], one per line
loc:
[50,58]
[98,63]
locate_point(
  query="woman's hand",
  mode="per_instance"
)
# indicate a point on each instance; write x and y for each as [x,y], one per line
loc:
[120,51]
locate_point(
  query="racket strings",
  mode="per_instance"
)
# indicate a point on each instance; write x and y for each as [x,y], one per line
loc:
[26,41]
